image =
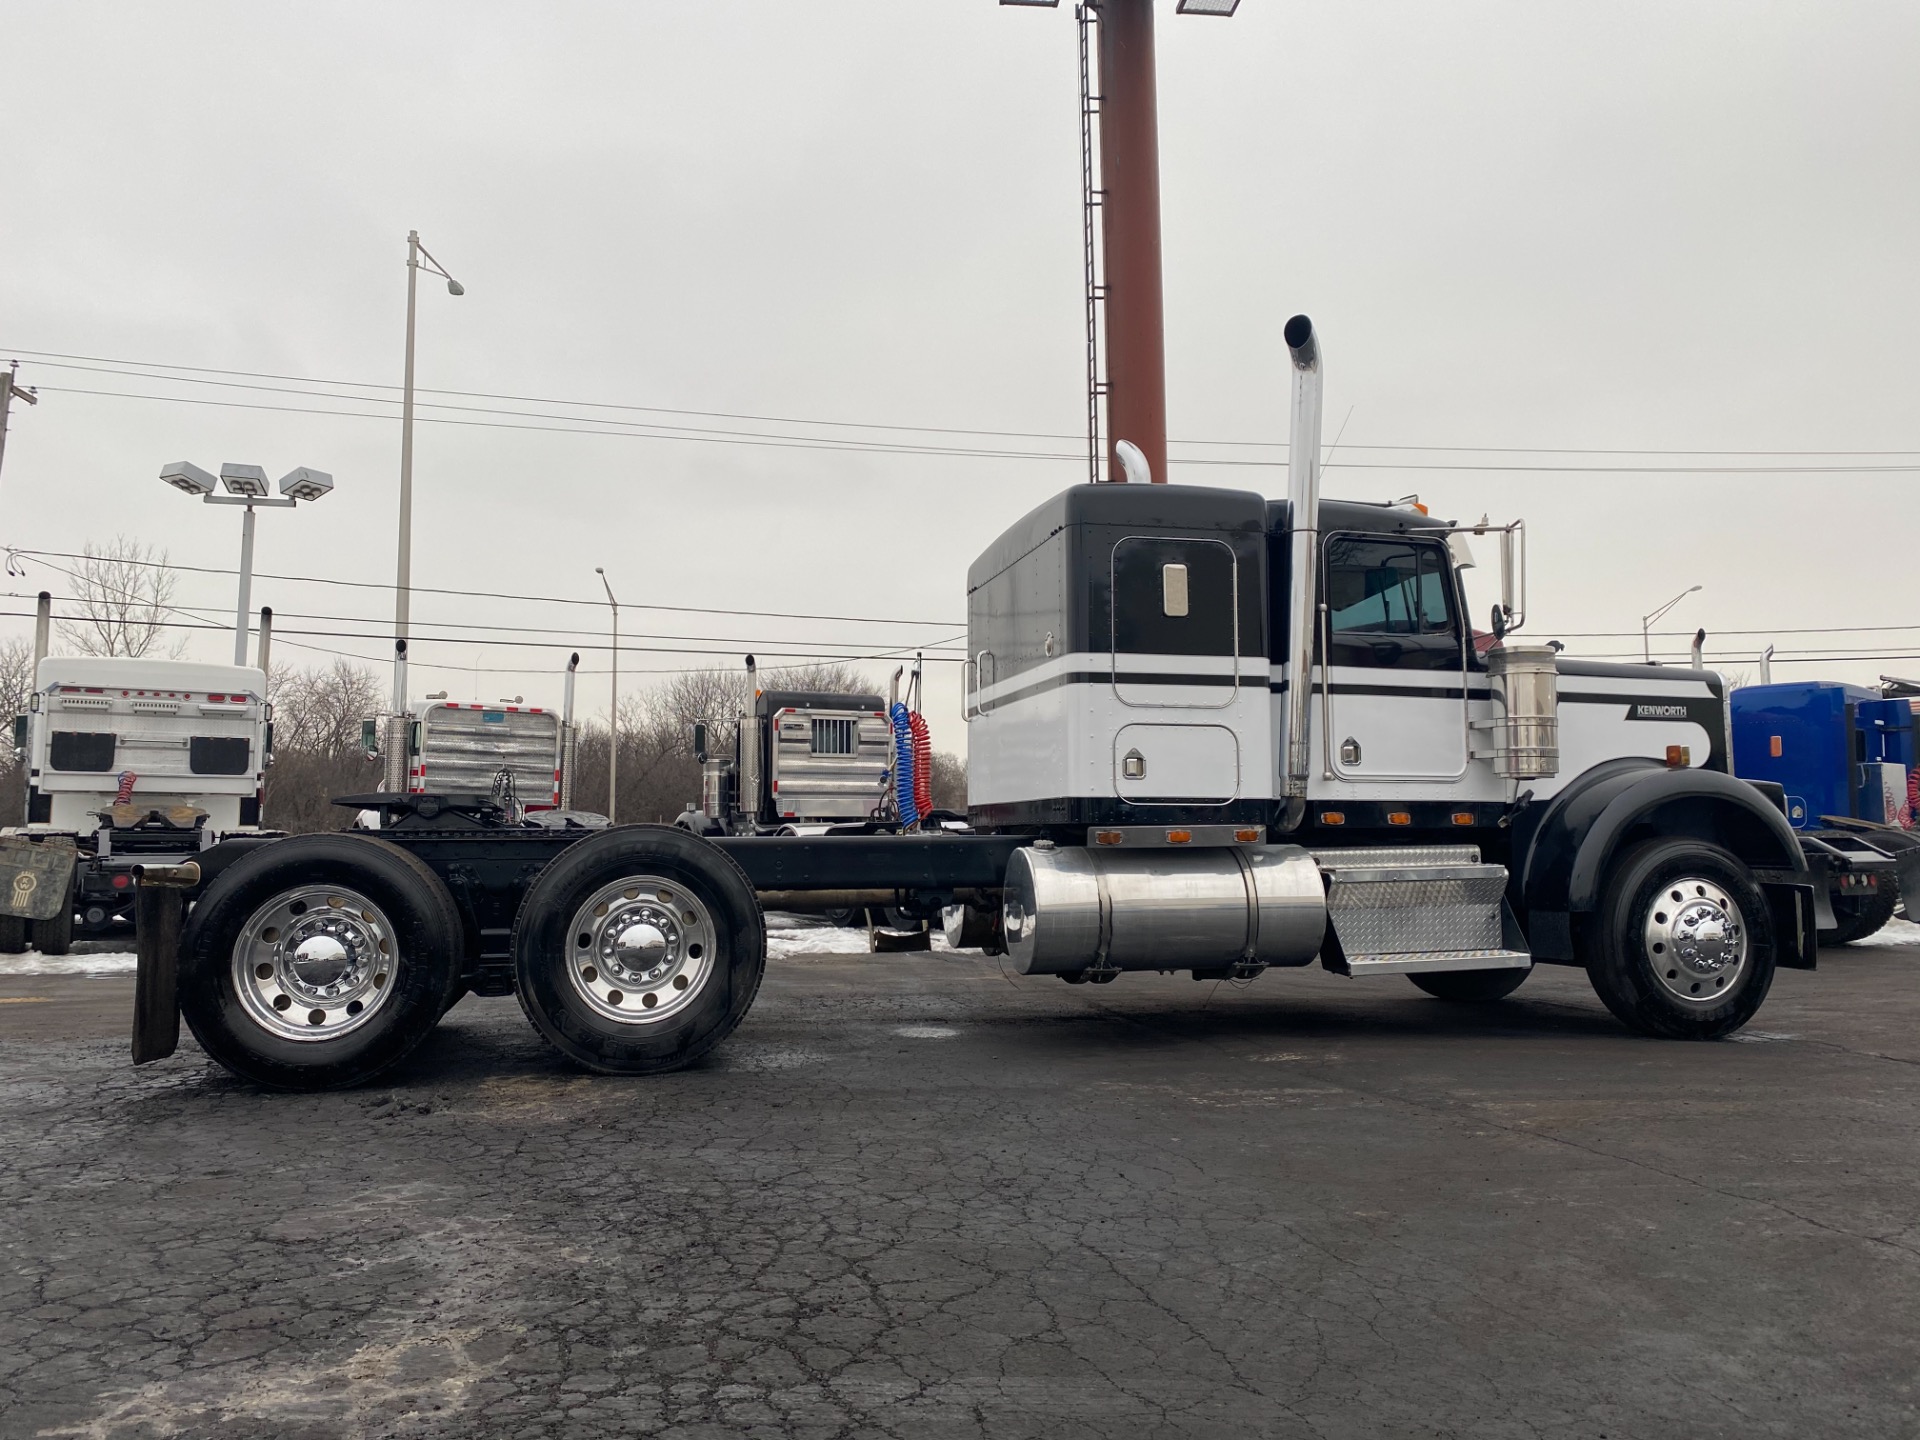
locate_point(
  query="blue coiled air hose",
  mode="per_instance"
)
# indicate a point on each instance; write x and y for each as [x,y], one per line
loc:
[903,765]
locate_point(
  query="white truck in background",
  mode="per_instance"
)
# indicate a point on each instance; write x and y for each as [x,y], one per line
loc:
[516,755]
[134,762]
[457,748]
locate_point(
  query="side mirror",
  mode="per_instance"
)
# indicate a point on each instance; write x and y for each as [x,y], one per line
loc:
[370,738]
[700,741]
[20,735]
[266,758]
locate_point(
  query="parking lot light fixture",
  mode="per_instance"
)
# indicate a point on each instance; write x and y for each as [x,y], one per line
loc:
[246,485]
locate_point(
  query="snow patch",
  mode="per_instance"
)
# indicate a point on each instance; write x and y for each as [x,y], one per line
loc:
[92,966]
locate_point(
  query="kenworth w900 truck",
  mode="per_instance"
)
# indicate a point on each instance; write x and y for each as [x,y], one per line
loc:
[1208,732]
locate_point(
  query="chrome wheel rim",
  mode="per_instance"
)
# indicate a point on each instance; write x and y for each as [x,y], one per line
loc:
[315,963]
[640,950]
[1696,941]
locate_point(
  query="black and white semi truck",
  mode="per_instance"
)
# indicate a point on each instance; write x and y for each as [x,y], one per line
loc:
[1208,732]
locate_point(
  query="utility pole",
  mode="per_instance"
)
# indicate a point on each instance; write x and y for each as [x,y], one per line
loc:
[11,390]
[1130,235]
[1120,194]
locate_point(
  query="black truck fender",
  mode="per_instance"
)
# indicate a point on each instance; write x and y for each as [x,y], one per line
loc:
[1563,849]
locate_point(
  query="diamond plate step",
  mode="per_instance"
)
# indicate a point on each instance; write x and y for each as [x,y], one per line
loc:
[1394,913]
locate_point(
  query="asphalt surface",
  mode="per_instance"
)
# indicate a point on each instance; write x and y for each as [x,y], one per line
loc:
[915,1197]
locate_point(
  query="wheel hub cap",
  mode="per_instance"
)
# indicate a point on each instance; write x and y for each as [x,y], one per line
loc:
[641,950]
[1695,940]
[314,963]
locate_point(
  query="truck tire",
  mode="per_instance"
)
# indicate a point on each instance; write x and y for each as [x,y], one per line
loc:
[13,935]
[1860,917]
[1471,986]
[318,961]
[55,936]
[639,949]
[1682,945]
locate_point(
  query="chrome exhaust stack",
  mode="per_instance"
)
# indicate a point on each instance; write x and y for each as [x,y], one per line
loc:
[42,626]
[1303,586]
[569,737]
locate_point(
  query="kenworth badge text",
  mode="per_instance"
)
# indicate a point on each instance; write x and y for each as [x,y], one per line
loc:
[1207,732]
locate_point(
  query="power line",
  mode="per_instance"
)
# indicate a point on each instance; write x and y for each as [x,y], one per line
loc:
[51,358]
[796,444]
[625,647]
[491,594]
[876,448]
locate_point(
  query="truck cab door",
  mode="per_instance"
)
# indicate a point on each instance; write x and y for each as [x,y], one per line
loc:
[1394,646]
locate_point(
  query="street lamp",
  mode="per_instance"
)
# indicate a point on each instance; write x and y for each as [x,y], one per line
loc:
[1646,622]
[403,595]
[247,485]
[613,746]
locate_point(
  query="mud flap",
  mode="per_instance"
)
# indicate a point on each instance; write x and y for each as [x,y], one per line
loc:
[1795,909]
[158,911]
[36,877]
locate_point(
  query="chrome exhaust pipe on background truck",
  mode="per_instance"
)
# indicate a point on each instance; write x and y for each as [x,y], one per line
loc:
[42,626]
[1303,500]
[569,738]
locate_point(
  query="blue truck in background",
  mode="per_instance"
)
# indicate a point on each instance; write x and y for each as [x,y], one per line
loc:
[1844,756]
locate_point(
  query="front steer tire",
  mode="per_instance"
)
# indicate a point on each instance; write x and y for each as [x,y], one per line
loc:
[639,949]
[1682,945]
[318,961]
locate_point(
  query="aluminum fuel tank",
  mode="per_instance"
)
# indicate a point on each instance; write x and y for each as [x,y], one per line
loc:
[1137,909]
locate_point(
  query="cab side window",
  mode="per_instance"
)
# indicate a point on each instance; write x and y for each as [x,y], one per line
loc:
[1390,605]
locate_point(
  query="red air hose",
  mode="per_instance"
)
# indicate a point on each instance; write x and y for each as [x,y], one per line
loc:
[922,764]
[124,795]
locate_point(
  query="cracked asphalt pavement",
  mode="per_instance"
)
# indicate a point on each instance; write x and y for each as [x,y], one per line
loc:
[914,1196]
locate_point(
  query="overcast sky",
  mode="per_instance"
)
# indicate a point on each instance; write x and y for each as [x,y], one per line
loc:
[1610,227]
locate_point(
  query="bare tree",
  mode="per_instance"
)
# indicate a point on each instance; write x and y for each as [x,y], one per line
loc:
[16,686]
[321,710]
[949,782]
[124,591]
[316,745]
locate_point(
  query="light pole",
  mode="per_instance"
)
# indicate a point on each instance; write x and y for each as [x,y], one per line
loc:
[1646,622]
[613,745]
[246,485]
[402,597]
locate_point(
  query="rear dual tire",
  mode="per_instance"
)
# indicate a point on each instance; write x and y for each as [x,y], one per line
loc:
[319,961]
[1861,917]
[1471,987]
[639,949]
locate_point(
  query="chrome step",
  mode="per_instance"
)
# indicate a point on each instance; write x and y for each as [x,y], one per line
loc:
[1397,912]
